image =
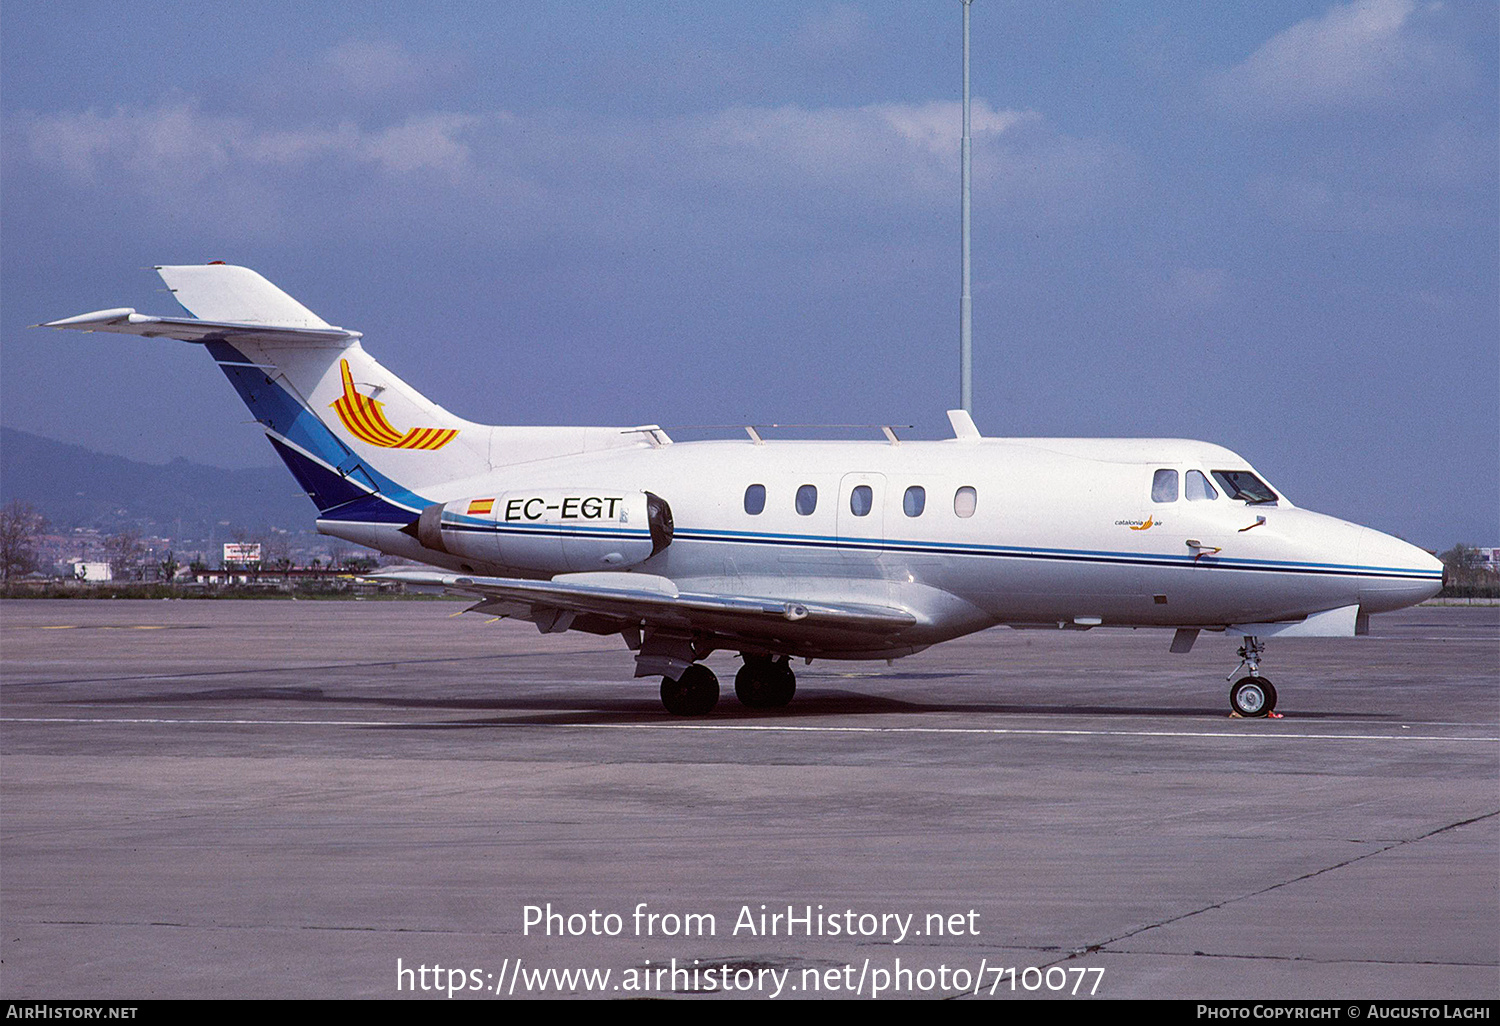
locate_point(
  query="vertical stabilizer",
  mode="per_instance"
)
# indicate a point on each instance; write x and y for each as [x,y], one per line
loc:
[224,292]
[364,444]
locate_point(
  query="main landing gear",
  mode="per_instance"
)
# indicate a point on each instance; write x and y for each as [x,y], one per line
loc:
[695,693]
[1251,695]
[764,682]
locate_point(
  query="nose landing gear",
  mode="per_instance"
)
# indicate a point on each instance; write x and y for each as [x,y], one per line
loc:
[1251,695]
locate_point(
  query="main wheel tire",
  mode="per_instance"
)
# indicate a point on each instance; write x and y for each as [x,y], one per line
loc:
[783,685]
[752,684]
[1252,697]
[695,693]
[764,683]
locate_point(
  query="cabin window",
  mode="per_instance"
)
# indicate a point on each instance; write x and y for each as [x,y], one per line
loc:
[1196,487]
[914,501]
[860,500]
[1164,486]
[807,499]
[1241,484]
[755,499]
[965,500]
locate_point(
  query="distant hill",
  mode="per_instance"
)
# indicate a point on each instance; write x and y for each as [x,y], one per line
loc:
[77,487]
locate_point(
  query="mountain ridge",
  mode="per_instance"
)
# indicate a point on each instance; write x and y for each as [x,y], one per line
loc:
[77,487]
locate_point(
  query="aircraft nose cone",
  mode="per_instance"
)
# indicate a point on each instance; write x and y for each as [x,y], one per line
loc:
[1398,574]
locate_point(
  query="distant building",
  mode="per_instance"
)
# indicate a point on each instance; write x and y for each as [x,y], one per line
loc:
[1489,558]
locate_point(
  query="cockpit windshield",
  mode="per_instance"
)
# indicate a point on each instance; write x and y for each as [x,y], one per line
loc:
[1241,484]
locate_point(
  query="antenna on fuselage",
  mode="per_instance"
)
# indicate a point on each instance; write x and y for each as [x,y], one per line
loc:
[965,305]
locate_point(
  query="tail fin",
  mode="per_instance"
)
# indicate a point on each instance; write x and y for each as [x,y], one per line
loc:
[363,443]
[223,292]
[344,424]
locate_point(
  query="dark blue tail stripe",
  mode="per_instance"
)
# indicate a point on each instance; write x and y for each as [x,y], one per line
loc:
[327,489]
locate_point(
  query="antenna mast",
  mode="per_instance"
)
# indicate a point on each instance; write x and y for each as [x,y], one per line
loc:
[965,304]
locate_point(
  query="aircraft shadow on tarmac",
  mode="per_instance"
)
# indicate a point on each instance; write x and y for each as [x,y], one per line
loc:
[818,701]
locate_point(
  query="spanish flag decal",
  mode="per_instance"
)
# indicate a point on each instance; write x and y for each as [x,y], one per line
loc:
[479,507]
[365,421]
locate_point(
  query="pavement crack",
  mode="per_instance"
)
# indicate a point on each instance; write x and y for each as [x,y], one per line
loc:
[1104,945]
[1229,955]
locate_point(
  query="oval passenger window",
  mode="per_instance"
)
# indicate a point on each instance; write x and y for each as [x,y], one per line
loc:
[860,500]
[807,499]
[914,501]
[755,499]
[965,500]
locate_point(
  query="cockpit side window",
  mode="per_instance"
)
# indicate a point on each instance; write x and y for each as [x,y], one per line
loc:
[1245,486]
[1196,487]
[1164,486]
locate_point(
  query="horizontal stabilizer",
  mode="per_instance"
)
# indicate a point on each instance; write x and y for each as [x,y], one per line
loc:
[189,329]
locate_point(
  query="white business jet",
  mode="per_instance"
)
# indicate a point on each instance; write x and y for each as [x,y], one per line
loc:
[782,549]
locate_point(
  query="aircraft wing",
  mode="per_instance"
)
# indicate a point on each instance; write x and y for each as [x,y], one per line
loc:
[190,329]
[608,602]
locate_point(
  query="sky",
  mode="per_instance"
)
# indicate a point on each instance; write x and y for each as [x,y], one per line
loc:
[1272,226]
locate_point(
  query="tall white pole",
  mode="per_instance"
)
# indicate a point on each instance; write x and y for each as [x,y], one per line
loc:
[965,305]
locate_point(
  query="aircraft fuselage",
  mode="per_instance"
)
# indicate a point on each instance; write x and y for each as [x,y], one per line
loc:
[1051,532]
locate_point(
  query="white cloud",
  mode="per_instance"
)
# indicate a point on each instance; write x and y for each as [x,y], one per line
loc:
[777,165]
[1358,55]
[937,127]
[897,153]
[178,141]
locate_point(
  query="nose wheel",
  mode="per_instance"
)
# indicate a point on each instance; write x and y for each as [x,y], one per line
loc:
[1251,695]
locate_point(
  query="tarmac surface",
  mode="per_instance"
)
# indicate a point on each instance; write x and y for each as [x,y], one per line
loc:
[327,799]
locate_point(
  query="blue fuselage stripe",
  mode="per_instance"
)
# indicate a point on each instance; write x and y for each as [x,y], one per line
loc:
[542,530]
[1058,555]
[960,549]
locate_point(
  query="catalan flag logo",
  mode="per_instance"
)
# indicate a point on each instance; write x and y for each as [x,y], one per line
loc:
[363,417]
[479,507]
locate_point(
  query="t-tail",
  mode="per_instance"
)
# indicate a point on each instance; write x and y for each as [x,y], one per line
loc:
[364,445]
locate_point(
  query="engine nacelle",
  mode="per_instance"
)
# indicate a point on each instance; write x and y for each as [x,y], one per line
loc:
[554,530]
